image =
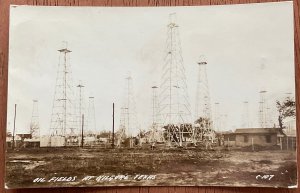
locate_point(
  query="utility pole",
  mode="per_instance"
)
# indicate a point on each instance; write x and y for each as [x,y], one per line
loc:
[155,110]
[13,139]
[82,137]
[113,128]
[80,86]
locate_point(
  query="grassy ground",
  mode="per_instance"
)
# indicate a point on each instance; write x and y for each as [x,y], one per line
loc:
[170,167]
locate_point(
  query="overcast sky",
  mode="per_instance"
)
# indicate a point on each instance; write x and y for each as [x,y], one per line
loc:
[247,47]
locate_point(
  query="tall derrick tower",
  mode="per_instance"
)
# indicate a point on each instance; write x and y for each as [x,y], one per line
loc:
[128,118]
[121,133]
[34,123]
[155,132]
[263,109]
[63,117]
[263,106]
[203,106]
[203,114]
[174,102]
[245,115]
[91,117]
[130,106]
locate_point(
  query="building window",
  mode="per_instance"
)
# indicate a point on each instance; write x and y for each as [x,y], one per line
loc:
[246,139]
[268,138]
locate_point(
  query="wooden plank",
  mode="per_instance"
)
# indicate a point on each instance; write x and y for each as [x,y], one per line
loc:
[4,12]
[3,82]
[158,189]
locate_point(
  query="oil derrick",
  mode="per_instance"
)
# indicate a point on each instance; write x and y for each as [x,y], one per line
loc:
[203,115]
[174,103]
[155,106]
[91,117]
[34,123]
[131,117]
[155,133]
[128,119]
[269,116]
[245,115]
[203,107]
[121,133]
[262,109]
[63,117]
[224,118]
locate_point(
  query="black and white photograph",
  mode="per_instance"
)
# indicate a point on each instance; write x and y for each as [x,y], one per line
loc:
[151,96]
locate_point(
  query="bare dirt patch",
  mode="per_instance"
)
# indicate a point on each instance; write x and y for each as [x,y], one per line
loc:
[171,166]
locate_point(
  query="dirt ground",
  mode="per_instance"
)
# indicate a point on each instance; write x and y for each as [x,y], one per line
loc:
[187,167]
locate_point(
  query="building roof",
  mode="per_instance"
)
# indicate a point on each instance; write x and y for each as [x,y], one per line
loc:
[290,133]
[257,130]
[225,133]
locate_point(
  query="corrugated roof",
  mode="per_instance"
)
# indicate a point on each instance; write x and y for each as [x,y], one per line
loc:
[257,130]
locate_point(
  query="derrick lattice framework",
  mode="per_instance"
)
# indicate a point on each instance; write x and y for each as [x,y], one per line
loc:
[156,133]
[128,119]
[121,133]
[203,106]
[245,115]
[63,118]
[263,109]
[263,114]
[203,115]
[174,102]
[34,123]
[91,117]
